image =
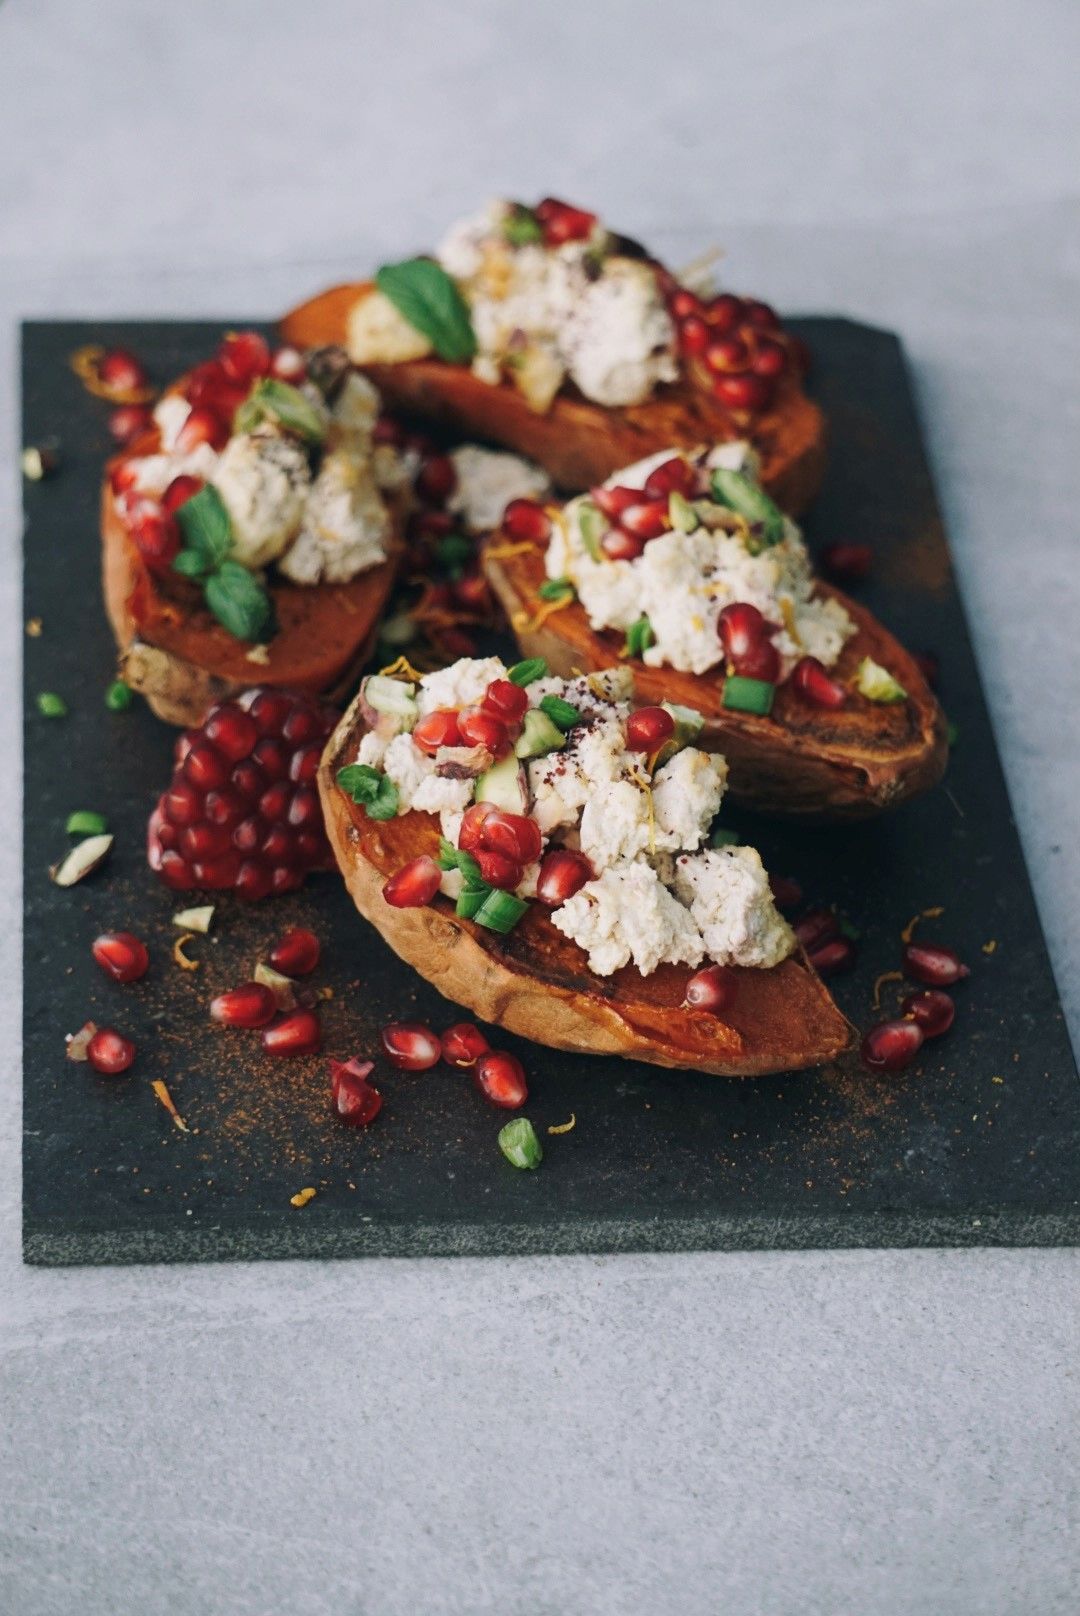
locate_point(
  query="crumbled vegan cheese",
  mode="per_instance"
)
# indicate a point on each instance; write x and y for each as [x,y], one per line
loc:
[419,787]
[263,479]
[686,794]
[618,339]
[345,524]
[627,914]
[730,901]
[487,480]
[462,684]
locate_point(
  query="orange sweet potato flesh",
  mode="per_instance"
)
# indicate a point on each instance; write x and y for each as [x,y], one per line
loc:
[801,761]
[537,983]
[179,656]
[579,443]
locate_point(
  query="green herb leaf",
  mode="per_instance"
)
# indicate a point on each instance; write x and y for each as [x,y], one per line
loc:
[523,673]
[374,790]
[192,564]
[239,601]
[119,696]
[205,524]
[639,637]
[739,494]
[283,405]
[423,293]
[556,589]
[521,226]
[562,713]
[519,1144]
[456,858]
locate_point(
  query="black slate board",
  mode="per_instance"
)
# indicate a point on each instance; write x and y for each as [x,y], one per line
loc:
[977,1145]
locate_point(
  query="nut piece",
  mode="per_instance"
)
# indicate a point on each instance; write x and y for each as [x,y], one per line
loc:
[83,859]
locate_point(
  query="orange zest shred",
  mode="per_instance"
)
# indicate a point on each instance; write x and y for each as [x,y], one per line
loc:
[178,954]
[924,914]
[522,619]
[564,1127]
[162,1092]
[990,947]
[886,976]
[400,668]
[787,612]
[302,1197]
[86,363]
[502,552]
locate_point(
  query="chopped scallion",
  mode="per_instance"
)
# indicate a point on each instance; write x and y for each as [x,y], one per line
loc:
[84,822]
[519,1144]
[639,636]
[562,713]
[50,705]
[523,673]
[556,589]
[743,695]
[500,911]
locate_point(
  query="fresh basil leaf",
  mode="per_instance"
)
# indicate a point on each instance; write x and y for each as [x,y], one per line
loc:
[206,527]
[556,589]
[371,788]
[739,494]
[240,602]
[283,405]
[521,227]
[423,293]
[191,564]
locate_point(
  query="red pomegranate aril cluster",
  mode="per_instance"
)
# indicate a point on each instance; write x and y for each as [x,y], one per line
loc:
[812,681]
[121,955]
[356,1102]
[562,873]
[926,1014]
[736,345]
[109,1052]
[516,836]
[744,636]
[242,813]
[411,1046]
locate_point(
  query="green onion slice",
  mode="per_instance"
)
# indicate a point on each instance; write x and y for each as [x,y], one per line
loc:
[500,911]
[563,714]
[739,494]
[519,1144]
[523,673]
[639,637]
[556,588]
[84,822]
[748,695]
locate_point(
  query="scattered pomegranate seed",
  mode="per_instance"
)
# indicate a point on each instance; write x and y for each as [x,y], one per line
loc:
[816,927]
[740,627]
[931,1010]
[411,1045]
[245,356]
[743,392]
[253,818]
[252,1005]
[725,312]
[508,701]
[674,476]
[760,315]
[833,957]
[649,728]
[613,501]
[500,1077]
[786,891]
[561,223]
[110,1052]
[712,989]
[414,885]
[937,966]
[355,1101]
[892,1045]
[121,955]
[120,370]
[812,681]
[562,873]
[203,425]
[298,1034]
[128,421]
[479,728]
[439,728]
[848,562]
[761,661]
[463,1044]
[297,953]
[179,491]
[647,520]
[471,834]
[769,358]
[515,835]
[287,364]
[526,521]
[618,545]
[727,354]
[498,870]
[693,335]
[436,479]
[155,534]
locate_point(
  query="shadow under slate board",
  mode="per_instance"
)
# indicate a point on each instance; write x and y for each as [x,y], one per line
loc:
[977,1144]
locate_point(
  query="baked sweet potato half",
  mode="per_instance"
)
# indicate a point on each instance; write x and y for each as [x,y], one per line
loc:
[800,759]
[537,982]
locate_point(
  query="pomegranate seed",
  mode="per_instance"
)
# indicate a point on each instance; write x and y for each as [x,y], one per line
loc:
[122,476]
[562,873]
[120,370]
[848,562]
[287,364]
[411,1046]
[761,316]
[203,425]
[684,303]
[725,312]
[254,881]
[744,391]
[205,768]
[812,682]
[305,811]
[269,711]
[817,926]
[110,1052]
[121,955]
[508,701]
[787,893]
[179,491]
[436,479]
[272,757]
[693,335]
[463,1044]
[613,501]
[245,356]
[471,836]
[649,728]
[619,545]
[155,534]
[304,723]
[218,874]
[931,1010]
[713,989]
[128,421]
[515,835]
[674,476]
[274,802]
[647,520]
[770,358]
[937,966]
[727,354]
[561,222]
[500,1077]
[741,627]
[761,661]
[837,955]
[252,1005]
[439,728]
[355,1101]
[231,731]
[498,870]
[471,593]
[526,522]
[297,953]
[304,765]
[892,1045]
[478,728]
[414,885]
[207,384]
[297,1034]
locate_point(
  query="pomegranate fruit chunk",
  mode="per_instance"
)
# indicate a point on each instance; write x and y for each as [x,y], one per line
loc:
[411,1046]
[414,885]
[892,1045]
[463,1044]
[515,835]
[500,1077]
[649,728]
[812,682]
[355,1101]
[121,955]
[526,522]
[297,954]
[713,989]
[830,958]
[931,1010]
[252,1005]
[297,1034]
[439,728]
[240,813]
[849,562]
[562,873]
[110,1052]
[932,963]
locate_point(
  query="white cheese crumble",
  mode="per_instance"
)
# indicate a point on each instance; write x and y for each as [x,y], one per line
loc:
[618,338]
[345,524]
[462,684]
[627,914]
[263,480]
[731,903]
[487,480]
[686,795]
[419,787]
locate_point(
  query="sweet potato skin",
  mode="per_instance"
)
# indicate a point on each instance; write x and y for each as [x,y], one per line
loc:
[536,982]
[577,442]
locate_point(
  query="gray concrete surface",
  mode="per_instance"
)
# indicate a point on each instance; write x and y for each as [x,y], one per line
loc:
[767,1435]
